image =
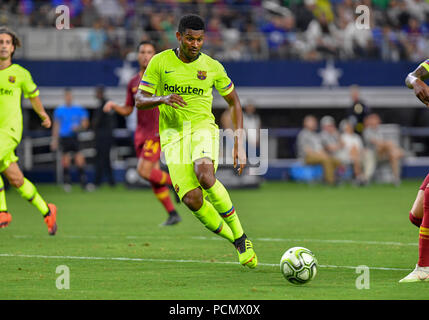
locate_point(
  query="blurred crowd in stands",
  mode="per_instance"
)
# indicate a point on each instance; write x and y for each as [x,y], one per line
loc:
[243,30]
[357,142]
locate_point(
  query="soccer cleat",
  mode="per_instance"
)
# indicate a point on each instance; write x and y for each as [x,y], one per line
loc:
[419,274]
[51,219]
[246,254]
[5,219]
[173,219]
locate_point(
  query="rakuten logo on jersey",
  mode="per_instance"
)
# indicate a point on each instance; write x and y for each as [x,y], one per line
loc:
[183,89]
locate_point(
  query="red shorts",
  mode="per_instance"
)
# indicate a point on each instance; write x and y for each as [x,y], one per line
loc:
[425,183]
[148,148]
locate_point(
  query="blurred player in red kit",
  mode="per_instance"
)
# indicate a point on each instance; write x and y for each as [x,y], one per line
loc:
[146,137]
[419,214]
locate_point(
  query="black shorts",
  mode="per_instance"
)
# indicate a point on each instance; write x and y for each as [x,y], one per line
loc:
[70,144]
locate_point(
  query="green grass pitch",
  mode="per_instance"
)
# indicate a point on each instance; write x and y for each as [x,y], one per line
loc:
[113,245]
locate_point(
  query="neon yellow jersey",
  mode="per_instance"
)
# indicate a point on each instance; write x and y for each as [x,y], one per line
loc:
[194,81]
[14,80]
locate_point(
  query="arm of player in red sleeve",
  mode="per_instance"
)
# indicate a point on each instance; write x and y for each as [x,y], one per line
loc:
[123,110]
[239,154]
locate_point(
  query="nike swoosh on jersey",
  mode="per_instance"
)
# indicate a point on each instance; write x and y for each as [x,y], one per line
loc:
[168,71]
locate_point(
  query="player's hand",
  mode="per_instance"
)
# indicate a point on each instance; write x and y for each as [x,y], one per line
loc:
[46,121]
[174,100]
[239,156]
[421,90]
[108,106]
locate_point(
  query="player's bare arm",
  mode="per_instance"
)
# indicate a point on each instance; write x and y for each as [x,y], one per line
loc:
[55,134]
[415,80]
[234,105]
[37,105]
[121,110]
[146,100]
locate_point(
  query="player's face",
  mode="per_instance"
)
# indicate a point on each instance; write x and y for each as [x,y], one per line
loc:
[146,52]
[6,46]
[191,42]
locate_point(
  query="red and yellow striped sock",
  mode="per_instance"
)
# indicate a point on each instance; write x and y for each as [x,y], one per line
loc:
[424,233]
[163,195]
[160,177]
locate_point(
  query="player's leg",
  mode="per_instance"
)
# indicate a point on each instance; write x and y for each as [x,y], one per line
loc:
[5,216]
[421,272]
[189,190]
[80,162]
[66,164]
[150,150]
[29,192]
[204,211]
[221,201]
[161,191]
[205,151]
[416,212]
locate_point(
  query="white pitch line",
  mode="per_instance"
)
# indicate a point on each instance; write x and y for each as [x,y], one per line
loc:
[387,243]
[11,255]
[340,241]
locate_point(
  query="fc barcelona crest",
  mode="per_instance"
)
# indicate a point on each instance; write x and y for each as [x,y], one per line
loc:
[202,75]
[12,79]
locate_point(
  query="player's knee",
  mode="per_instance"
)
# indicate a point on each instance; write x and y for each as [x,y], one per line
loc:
[193,199]
[206,178]
[144,172]
[16,181]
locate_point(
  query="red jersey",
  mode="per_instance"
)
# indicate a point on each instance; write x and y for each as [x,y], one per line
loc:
[147,120]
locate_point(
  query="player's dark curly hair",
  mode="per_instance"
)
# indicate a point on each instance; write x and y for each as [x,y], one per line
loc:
[15,40]
[191,21]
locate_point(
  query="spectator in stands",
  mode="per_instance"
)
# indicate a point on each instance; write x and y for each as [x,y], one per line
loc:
[320,36]
[330,136]
[69,120]
[97,38]
[381,149]
[310,149]
[353,151]
[103,124]
[358,110]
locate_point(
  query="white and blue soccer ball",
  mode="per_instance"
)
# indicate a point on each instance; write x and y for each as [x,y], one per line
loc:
[298,265]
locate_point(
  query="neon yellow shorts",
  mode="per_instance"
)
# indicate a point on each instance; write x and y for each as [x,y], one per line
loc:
[7,151]
[181,155]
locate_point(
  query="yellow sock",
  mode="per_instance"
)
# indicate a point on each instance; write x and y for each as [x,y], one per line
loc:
[208,215]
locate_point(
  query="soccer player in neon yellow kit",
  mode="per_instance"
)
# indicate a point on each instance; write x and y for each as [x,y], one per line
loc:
[15,80]
[183,79]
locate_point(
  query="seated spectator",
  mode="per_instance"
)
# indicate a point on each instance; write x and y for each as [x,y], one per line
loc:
[330,136]
[310,150]
[381,148]
[353,151]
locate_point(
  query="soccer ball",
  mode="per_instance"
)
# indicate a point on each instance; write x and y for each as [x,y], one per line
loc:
[298,265]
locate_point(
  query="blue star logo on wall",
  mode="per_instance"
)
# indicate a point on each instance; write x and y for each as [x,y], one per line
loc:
[125,73]
[330,74]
